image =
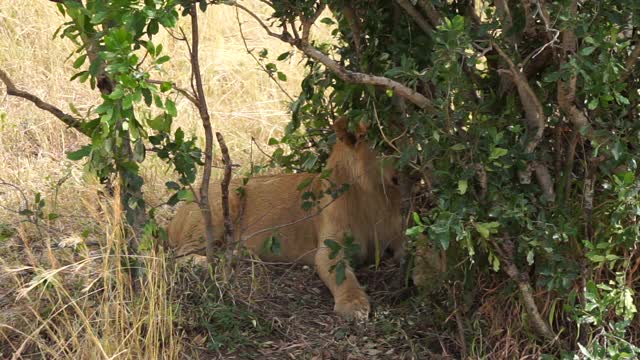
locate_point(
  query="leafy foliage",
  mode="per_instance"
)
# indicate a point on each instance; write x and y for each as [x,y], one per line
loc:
[578,224]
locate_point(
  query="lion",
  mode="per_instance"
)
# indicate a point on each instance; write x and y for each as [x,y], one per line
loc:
[367,213]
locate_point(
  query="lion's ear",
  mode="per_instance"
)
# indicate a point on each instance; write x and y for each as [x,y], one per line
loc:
[341,127]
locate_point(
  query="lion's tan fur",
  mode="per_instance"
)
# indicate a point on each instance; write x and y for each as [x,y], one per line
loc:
[271,206]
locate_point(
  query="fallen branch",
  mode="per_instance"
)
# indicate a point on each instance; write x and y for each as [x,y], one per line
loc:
[69,120]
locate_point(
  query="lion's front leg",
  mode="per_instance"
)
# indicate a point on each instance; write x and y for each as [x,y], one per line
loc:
[350,299]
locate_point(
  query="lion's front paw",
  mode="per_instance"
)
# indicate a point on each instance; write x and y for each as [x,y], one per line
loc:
[353,306]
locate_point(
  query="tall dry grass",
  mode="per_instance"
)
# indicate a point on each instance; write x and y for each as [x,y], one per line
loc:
[64,291]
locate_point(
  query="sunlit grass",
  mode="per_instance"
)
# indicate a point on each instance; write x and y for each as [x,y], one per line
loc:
[77,302]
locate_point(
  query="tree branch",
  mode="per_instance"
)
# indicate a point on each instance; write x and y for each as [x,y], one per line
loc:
[366,79]
[416,16]
[533,109]
[350,76]
[432,13]
[631,62]
[69,120]
[535,120]
[184,92]
[208,133]
[567,90]
[229,238]
[522,280]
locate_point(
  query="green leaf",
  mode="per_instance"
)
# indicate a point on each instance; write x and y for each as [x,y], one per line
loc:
[462,187]
[334,247]
[341,272]
[172,185]
[163,59]
[166,86]
[284,56]
[593,104]
[186,195]
[304,184]
[458,147]
[486,229]
[417,219]
[327,21]
[497,152]
[587,51]
[282,76]
[414,231]
[171,108]
[160,123]
[153,27]
[139,152]
[79,61]
[79,154]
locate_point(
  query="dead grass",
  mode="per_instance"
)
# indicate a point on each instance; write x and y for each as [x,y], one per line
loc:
[75,303]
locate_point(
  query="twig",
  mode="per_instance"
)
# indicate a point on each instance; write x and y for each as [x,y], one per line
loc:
[69,120]
[228,165]
[269,73]
[208,132]
[184,92]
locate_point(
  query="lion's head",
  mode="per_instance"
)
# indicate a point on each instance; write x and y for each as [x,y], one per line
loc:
[354,161]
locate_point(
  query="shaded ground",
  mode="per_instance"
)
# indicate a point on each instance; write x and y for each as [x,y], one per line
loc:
[286,312]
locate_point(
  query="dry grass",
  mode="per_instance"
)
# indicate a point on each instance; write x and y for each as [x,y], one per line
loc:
[76,302]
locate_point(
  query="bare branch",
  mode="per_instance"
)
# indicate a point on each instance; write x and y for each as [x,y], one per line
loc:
[432,13]
[208,132]
[229,238]
[533,109]
[367,79]
[528,298]
[567,90]
[504,13]
[416,16]
[228,165]
[347,75]
[69,120]
[307,23]
[354,24]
